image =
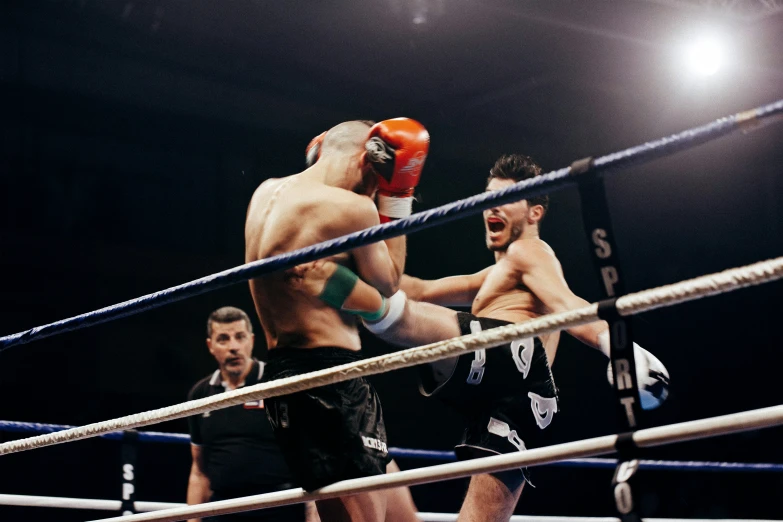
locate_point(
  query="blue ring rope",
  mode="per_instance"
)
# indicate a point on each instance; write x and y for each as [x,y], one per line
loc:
[537,186]
[674,465]
[144,436]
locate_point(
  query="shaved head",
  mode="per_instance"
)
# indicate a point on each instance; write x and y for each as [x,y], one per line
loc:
[344,143]
[346,138]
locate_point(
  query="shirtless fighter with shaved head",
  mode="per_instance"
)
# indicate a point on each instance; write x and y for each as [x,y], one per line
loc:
[334,432]
[506,395]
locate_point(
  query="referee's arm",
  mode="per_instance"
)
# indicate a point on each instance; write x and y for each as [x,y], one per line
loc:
[198,483]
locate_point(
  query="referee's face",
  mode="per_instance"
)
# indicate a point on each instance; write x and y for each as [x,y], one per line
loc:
[232,345]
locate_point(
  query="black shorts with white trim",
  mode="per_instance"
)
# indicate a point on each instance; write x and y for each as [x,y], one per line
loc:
[506,395]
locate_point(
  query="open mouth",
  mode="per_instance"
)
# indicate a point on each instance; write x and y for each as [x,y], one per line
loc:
[495,224]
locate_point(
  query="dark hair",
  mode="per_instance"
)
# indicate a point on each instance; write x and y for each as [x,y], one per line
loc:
[228,314]
[518,167]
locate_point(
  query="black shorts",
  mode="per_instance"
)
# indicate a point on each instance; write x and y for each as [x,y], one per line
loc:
[330,433]
[507,394]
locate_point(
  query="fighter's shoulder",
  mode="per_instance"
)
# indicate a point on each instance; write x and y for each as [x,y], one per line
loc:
[331,195]
[344,204]
[530,252]
[264,190]
[268,184]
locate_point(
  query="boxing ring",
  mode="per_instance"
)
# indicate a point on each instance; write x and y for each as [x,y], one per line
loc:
[618,306]
[141,506]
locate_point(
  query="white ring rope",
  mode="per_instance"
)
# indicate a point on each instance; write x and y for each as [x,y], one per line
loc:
[449,517]
[689,290]
[142,506]
[684,431]
[81,503]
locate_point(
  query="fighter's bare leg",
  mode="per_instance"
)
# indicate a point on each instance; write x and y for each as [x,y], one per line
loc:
[488,500]
[391,505]
[364,507]
[399,504]
[405,323]
[420,323]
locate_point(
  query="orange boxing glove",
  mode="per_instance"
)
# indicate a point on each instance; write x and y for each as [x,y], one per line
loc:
[397,149]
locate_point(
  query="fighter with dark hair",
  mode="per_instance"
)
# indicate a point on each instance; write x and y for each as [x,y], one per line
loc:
[506,395]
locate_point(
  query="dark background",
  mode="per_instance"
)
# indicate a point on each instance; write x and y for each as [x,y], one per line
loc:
[134,133]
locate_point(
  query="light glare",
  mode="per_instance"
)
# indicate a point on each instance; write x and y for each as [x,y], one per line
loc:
[705,56]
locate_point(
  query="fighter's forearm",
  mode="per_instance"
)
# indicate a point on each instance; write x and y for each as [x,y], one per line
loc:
[446,291]
[397,252]
[589,334]
[363,298]
[412,286]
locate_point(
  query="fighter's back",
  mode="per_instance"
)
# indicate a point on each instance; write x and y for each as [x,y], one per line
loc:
[284,215]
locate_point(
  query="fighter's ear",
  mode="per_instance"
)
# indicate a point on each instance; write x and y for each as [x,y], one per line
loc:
[536,213]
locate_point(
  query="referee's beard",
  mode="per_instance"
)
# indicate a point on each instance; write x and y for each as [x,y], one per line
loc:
[234,368]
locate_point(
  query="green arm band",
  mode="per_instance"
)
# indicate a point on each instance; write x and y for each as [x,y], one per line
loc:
[371,316]
[337,289]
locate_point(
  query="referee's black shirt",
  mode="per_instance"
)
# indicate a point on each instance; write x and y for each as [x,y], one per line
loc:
[239,447]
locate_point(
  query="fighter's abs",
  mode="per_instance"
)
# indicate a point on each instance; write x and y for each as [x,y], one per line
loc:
[502,296]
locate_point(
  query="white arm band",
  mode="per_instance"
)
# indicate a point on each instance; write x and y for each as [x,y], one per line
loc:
[396,309]
[395,207]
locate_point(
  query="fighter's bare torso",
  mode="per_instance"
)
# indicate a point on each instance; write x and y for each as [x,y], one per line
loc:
[503,296]
[284,215]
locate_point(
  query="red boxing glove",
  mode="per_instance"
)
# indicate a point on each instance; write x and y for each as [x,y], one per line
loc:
[397,149]
[313,150]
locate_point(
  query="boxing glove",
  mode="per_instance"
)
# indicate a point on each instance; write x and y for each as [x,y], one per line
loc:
[397,149]
[651,375]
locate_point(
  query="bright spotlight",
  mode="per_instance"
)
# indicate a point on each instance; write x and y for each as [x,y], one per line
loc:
[705,56]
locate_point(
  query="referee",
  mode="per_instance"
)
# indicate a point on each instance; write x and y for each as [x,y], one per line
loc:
[234,450]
